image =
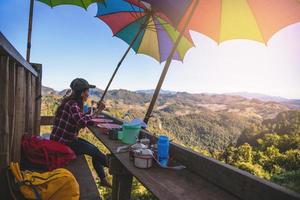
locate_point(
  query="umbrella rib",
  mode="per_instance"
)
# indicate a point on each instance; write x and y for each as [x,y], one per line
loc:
[259,28]
[133,9]
[127,25]
[116,12]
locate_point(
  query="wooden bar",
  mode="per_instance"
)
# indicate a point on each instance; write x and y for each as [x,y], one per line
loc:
[235,181]
[4,115]
[47,120]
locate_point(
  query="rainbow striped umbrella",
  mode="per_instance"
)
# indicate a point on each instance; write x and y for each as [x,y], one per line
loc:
[146,31]
[156,36]
[224,20]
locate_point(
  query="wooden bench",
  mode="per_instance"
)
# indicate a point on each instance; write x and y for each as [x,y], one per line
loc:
[80,169]
[84,177]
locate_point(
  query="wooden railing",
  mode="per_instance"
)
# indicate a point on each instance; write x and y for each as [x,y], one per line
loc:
[20,101]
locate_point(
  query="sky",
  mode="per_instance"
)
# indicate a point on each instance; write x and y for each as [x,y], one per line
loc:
[70,42]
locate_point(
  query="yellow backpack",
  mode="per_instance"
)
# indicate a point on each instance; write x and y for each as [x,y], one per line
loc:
[54,185]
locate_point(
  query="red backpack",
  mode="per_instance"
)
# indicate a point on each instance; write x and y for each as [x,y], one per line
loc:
[47,153]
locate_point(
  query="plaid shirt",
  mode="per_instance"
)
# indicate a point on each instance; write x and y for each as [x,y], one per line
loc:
[68,121]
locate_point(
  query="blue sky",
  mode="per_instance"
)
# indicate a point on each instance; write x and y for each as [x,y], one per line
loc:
[71,42]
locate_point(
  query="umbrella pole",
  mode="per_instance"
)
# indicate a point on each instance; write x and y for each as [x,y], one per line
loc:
[167,65]
[29,31]
[143,26]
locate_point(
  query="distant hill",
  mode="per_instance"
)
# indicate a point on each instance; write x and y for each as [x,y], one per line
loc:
[47,91]
[152,91]
[183,103]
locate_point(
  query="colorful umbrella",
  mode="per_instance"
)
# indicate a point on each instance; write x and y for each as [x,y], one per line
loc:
[146,31]
[81,3]
[256,20]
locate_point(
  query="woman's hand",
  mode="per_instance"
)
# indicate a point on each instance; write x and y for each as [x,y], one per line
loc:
[101,107]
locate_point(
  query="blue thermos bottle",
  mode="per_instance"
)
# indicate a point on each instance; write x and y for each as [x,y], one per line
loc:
[163,150]
[85,108]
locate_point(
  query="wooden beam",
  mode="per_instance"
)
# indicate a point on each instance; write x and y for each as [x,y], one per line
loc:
[4,115]
[7,48]
[47,120]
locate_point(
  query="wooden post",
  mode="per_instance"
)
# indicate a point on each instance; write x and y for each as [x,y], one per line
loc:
[122,180]
[4,115]
[167,65]
[12,103]
[28,104]
[33,102]
[37,97]
[29,30]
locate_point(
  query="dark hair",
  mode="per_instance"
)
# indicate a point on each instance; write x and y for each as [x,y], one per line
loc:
[75,96]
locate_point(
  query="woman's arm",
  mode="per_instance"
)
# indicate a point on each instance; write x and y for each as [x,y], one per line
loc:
[80,118]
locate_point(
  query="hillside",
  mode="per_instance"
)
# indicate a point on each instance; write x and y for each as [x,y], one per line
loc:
[207,121]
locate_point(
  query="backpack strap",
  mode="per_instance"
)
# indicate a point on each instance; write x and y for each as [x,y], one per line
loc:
[14,187]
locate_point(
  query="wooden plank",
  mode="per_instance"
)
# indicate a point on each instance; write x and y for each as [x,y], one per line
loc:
[4,115]
[37,97]
[167,184]
[84,177]
[242,184]
[47,120]
[33,106]
[20,113]
[28,104]
[7,48]
[12,103]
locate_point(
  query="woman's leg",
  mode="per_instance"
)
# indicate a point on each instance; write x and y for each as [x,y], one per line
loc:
[99,160]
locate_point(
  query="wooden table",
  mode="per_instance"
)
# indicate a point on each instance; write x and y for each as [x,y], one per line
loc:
[163,183]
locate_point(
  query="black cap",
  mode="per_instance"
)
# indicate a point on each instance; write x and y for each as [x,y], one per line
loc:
[80,84]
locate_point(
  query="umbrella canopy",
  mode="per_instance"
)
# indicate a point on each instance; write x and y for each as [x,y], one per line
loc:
[256,20]
[157,36]
[81,3]
[224,20]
